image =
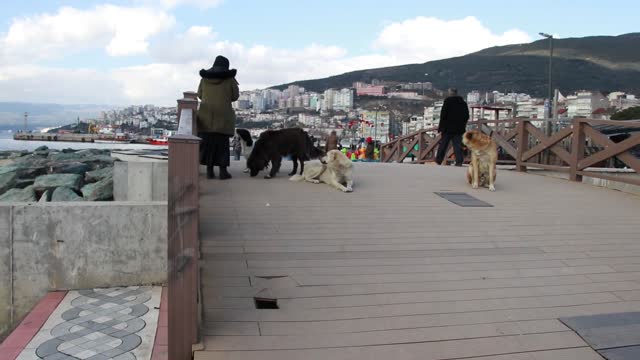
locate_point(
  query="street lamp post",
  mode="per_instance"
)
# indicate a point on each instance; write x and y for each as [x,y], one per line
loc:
[550,92]
[549,125]
[375,129]
[425,74]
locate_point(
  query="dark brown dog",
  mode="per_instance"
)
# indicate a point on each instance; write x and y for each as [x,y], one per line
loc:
[272,145]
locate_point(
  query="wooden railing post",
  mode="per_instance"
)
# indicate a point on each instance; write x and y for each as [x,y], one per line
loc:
[420,145]
[188,103]
[577,149]
[522,142]
[190,95]
[183,236]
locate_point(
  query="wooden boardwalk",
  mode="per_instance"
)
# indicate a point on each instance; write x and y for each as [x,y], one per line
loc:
[393,271]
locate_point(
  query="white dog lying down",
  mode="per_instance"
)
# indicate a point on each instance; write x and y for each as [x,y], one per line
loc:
[335,170]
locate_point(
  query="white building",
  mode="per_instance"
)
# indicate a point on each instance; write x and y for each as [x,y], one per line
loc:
[343,100]
[473,97]
[380,125]
[309,120]
[622,101]
[293,90]
[584,103]
[532,109]
[328,99]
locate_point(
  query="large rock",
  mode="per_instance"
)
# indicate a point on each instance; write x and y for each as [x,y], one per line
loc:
[19,195]
[92,152]
[69,150]
[99,161]
[100,191]
[65,194]
[61,156]
[8,181]
[23,183]
[6,162]
[32,160]
[50,182]
[30,172]
[97,175]
[9,169]
[68,168]
[17,154]
[41,151]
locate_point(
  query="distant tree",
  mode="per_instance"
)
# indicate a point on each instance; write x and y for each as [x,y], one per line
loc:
[632,113]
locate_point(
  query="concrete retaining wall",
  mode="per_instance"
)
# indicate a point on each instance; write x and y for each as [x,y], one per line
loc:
[5,268]
[140,181]
[77,246]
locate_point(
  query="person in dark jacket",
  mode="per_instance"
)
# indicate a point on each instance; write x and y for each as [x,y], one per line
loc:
[332,141]
[453,123]
[369,151]
[216,118]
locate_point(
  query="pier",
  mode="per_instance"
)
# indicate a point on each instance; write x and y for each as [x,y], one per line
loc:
[414,264]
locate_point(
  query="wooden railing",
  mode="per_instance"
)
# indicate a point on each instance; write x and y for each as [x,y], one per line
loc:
[573,147]
[183,239]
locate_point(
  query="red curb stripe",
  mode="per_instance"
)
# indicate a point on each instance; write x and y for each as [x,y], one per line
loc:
[12,346]
[160,347]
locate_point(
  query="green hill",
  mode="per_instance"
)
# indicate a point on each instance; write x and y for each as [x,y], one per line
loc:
[603,63]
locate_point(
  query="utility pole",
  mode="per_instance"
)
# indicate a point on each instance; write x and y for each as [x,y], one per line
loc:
[425,74]
[550,82]
[550,116]
[375,129]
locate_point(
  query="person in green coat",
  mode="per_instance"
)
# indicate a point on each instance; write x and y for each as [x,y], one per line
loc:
[216,118]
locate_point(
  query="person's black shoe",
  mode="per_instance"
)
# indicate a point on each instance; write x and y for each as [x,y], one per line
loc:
[224,174]
[210,173]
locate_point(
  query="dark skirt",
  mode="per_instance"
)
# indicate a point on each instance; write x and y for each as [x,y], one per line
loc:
[214,149]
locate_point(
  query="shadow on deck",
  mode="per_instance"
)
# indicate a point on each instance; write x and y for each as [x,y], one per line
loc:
[392,270]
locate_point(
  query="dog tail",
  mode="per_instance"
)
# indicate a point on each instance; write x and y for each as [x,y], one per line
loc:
[296,178]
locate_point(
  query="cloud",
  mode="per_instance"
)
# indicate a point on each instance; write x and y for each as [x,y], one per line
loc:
[168,4]
[40,84]
[423,39]
[174,58]
[120,31]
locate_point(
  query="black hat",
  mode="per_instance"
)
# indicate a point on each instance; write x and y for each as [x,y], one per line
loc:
[219,70]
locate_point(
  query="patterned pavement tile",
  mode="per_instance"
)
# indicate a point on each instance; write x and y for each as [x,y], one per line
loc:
[99,324]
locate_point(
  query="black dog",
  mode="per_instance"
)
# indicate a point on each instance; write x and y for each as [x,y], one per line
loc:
[272,145]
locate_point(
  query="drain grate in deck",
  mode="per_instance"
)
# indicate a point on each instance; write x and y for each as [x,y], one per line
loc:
[463,199]
[614,336]
[266,303]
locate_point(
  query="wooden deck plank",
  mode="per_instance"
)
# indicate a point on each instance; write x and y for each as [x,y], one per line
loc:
[618,288]
[390,288]
[420,351]
[446,319]
[389,337]
[394,271]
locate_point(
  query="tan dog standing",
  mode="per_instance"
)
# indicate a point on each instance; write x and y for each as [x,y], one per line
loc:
[484,155]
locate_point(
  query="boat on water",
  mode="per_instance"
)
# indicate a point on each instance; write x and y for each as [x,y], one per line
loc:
[158,141]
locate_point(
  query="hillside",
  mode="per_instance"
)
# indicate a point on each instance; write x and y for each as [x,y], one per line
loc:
[604,63]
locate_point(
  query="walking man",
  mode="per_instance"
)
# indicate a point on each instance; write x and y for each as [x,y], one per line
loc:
[453,123]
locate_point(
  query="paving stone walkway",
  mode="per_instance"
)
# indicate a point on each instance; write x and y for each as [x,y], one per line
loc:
[100,324]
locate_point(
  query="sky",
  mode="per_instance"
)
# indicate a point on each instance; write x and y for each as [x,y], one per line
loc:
[123,52]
